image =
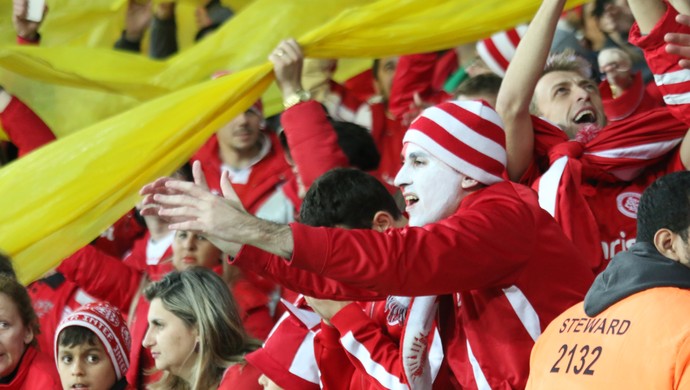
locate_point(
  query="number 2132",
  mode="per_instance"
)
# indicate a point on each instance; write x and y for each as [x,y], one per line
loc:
[579,361]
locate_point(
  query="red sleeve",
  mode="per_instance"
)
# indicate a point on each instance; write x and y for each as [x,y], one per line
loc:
[313,142]
[305,282]
[672,80]
[369,349]
[452,255]
[334,364]
[24,128]
[414,74]
[103,276]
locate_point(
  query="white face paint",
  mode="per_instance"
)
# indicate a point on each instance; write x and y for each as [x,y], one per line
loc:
[431,188]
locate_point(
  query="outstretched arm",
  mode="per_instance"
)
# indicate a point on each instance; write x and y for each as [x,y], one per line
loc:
[515,95]
[312,140]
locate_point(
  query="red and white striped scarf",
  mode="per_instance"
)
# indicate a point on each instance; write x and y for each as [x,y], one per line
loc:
[619,153]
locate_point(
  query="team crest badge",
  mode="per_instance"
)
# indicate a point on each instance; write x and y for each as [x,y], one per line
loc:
[627,203]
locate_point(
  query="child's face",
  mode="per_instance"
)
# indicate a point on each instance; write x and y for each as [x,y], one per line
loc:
[85,366]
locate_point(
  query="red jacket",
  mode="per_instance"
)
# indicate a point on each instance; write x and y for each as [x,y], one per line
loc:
[374,327]
[502,295]
[313,145]
[53,298]
[36,371]
[119,238]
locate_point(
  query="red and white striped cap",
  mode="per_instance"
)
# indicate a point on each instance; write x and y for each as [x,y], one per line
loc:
[106,322]
[287,357]
[497,50]
[467,135]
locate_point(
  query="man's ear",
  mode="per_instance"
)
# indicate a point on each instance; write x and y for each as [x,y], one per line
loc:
[469,183]
[382,221]
[664,242]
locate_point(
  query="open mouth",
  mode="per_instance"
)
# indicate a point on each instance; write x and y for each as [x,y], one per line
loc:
[80,386]
[585,116]
[410,200]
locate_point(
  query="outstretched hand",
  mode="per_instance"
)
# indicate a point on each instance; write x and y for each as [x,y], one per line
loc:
[679,43]
[191,206]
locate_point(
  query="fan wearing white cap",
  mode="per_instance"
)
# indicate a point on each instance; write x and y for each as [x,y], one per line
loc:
[503,265]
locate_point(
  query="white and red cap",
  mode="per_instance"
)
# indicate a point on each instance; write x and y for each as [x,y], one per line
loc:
[287,356]
[497,50]
[106,322]
[467,135]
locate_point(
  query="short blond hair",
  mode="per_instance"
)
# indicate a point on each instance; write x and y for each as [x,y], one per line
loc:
[568,61]
[565,61]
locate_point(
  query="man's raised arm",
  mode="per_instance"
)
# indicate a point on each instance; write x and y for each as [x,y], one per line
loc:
[647,13]
[515,95]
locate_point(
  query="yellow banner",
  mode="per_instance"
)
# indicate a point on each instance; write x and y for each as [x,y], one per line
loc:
[88,84]
[57,199]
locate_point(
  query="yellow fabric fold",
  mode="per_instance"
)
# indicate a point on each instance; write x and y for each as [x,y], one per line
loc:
[93,76]
[60,201]
[58,198]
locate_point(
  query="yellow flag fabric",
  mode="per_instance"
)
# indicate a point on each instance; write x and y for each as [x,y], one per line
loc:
[58,198]
[107,81]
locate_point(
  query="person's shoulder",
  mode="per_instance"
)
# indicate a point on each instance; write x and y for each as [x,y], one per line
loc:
[671,296]
[507,192]
[240,376]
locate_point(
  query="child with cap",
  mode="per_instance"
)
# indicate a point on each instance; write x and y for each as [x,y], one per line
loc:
[92,348]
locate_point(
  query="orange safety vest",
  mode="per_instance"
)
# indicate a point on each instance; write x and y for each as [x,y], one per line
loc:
[640,342]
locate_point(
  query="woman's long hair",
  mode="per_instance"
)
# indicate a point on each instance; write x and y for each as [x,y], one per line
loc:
[201,299]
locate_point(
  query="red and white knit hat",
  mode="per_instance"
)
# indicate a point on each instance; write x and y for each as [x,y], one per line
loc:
[497,50]
[287,357]
[106,322]
[467,135]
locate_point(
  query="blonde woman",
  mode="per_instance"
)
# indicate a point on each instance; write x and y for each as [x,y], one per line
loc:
[195,333]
